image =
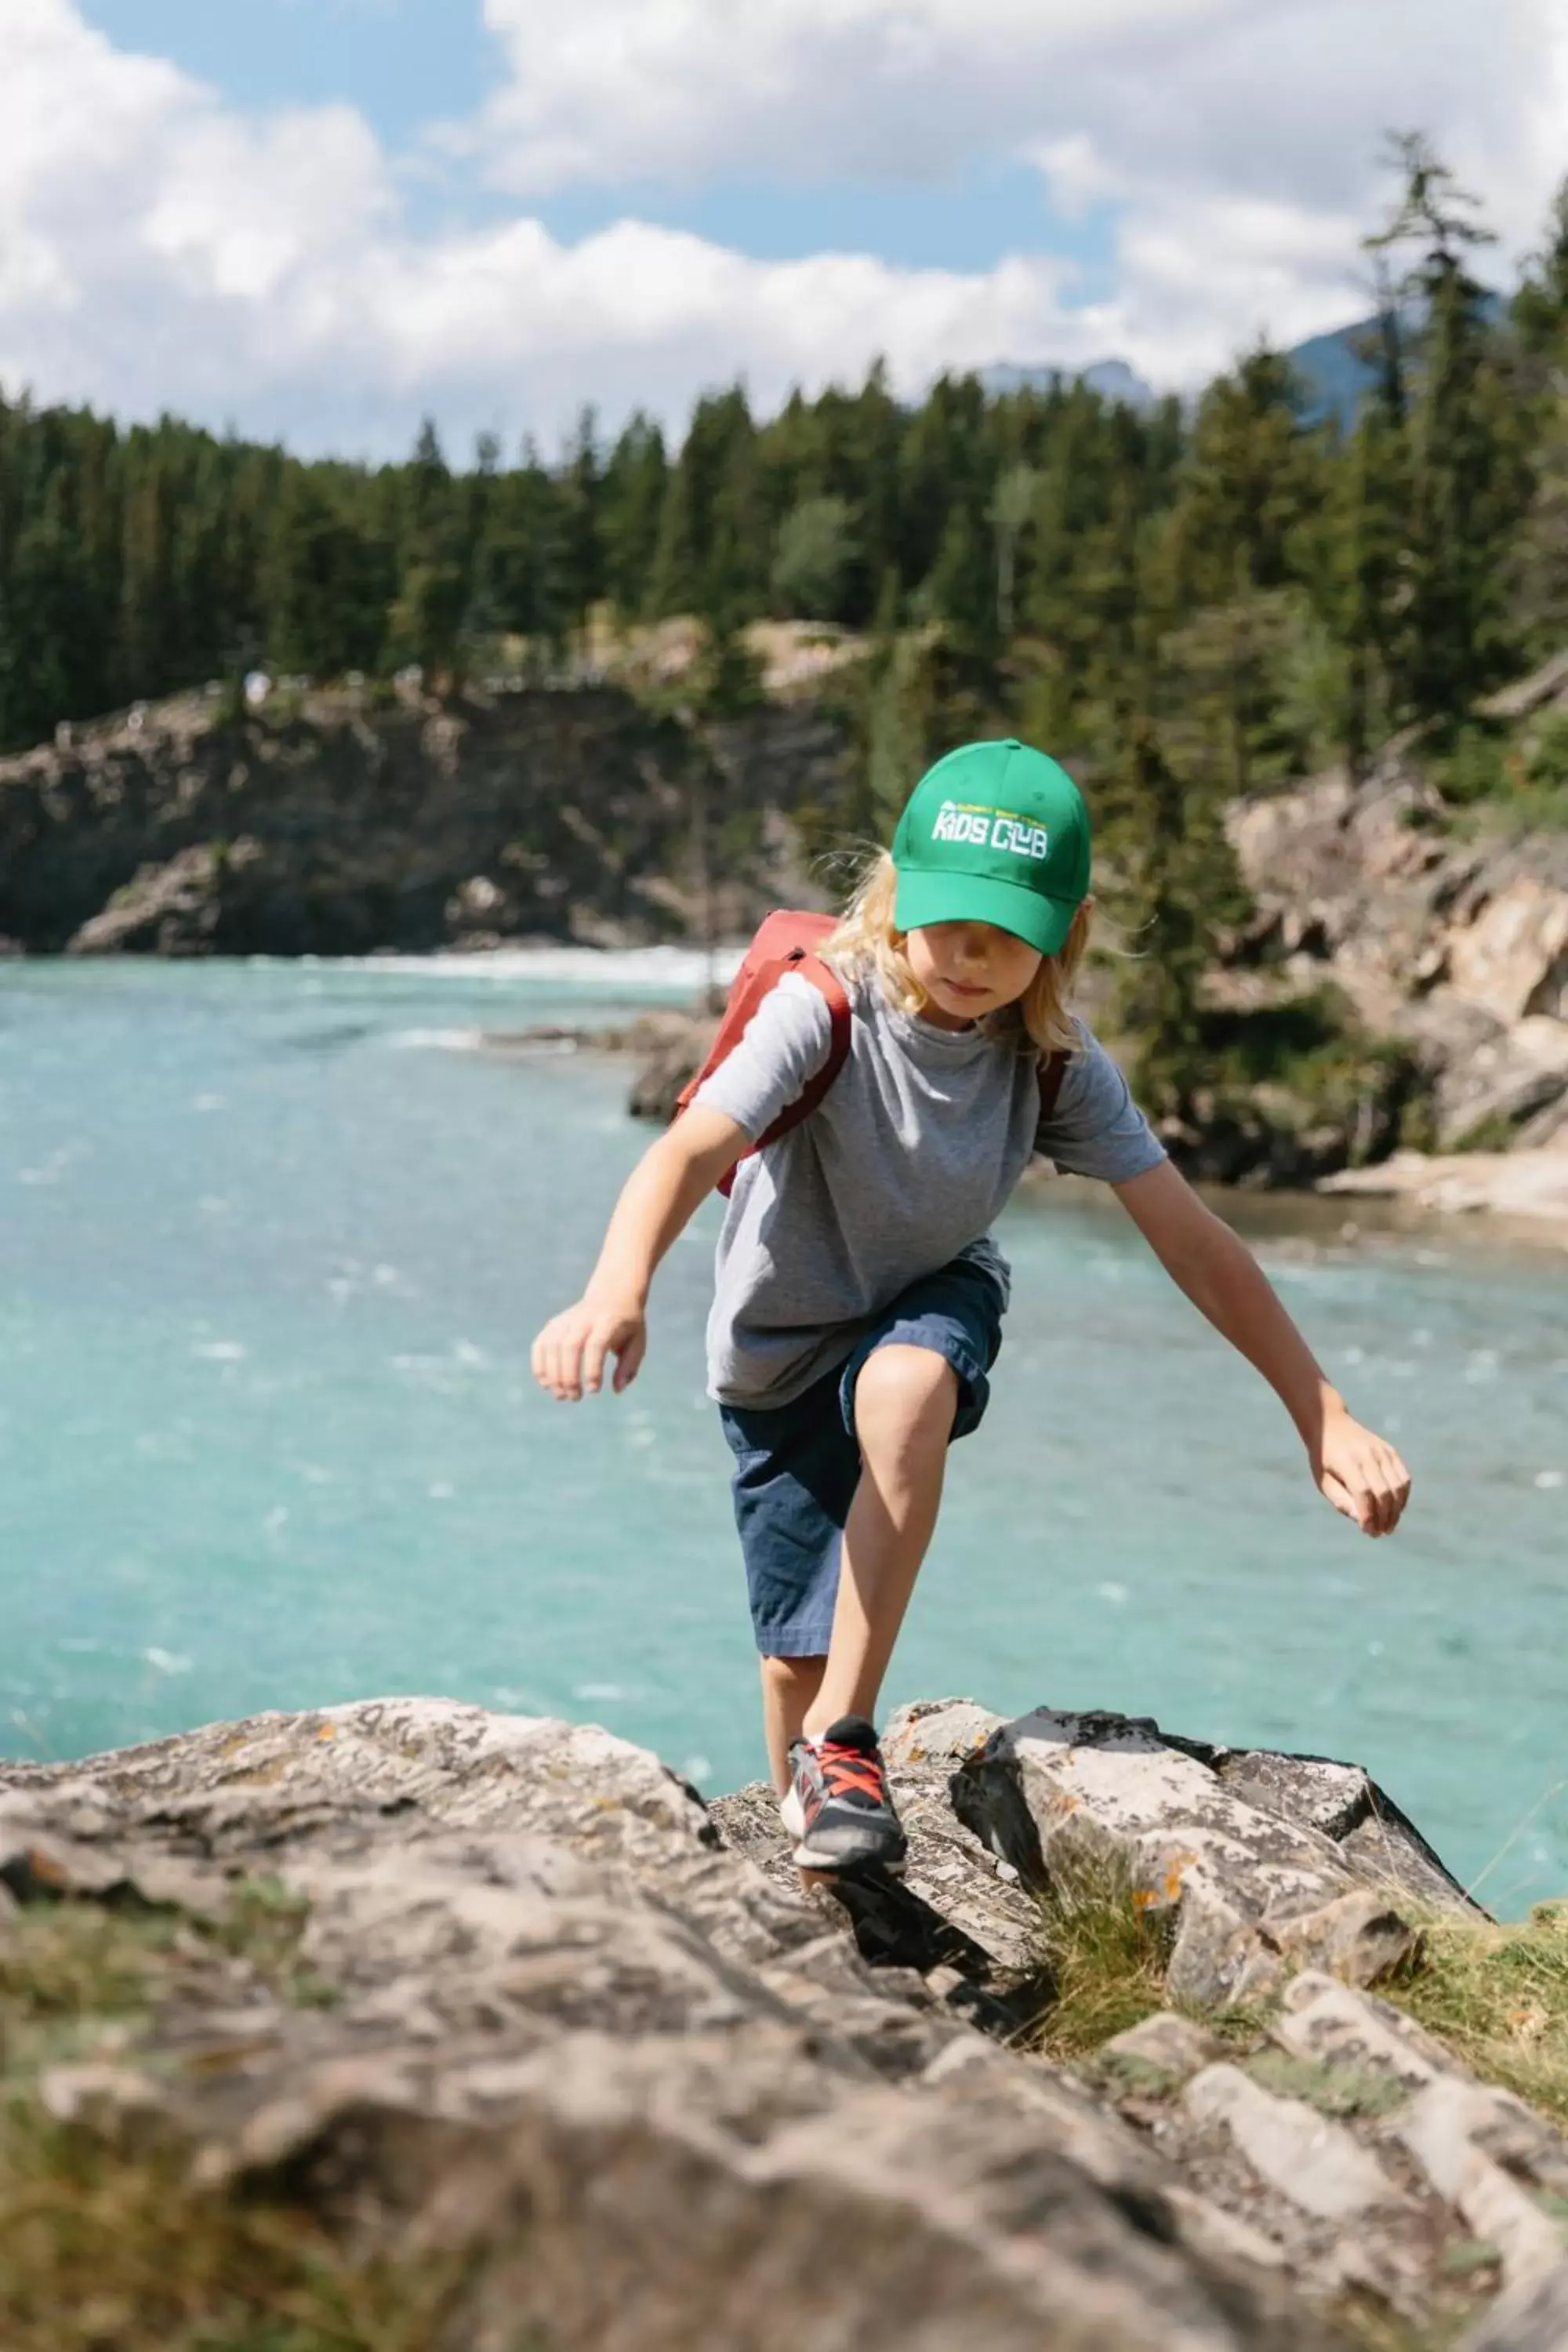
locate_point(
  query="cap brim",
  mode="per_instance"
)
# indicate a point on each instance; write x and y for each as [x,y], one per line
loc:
[924,899]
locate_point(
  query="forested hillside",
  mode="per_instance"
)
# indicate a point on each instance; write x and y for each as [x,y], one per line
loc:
[1270,593]
[1185,604]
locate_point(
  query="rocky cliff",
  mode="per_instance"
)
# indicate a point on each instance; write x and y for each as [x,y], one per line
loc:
[427,2028]
[1424,967]
[361,820]
[1457,943]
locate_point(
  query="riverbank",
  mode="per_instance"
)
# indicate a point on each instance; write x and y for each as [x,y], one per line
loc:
[1527,1187]
[1400,982]
[449,2023]
[1522,1191]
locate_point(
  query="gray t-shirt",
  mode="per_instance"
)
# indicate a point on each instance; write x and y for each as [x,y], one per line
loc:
[902,1167]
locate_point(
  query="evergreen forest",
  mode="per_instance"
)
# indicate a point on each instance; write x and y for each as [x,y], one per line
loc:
[1184,601]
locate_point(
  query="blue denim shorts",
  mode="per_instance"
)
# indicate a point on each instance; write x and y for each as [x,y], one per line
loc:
[797,1466]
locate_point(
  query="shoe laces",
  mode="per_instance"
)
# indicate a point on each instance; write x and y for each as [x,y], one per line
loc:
[850,1772]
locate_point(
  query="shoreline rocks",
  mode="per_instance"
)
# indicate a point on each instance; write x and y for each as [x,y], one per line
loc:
[1523,1184]
[1527,1190]
[568,2022]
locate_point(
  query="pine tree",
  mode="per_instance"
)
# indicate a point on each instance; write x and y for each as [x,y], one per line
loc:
[1465,484]
[146,598]
[814,551]
[1011,505]
[896,722]
[712,558]
[632,497]
[1184,885]
[323,590]
[1540,305]
[578,490]
[1253,476]
[425,623]
[1360,586]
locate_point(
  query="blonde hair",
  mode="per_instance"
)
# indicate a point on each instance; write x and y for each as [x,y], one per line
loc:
[868,940]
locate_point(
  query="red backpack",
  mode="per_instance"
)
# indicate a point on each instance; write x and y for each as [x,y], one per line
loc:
[785,942]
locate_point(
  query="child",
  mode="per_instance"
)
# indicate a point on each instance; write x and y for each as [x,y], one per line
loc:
[859,1295]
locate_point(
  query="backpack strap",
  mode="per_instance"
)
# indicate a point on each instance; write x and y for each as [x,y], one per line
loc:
[826,981]
[828,985]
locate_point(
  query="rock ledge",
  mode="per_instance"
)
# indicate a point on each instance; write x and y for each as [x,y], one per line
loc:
[572,2024]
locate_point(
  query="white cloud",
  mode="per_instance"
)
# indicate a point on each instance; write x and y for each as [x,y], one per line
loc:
[797,90]
[160,249]
[1286,98]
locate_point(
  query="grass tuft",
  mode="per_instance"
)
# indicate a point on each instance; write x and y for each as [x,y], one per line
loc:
[1373,2328]
[60,1960]
[1469,2255]
[264,1925]
[102,2251]
[1498,1997]
[1138,2077]
[1106,1957]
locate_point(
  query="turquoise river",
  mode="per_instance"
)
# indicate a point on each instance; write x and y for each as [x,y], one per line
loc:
[274,1241]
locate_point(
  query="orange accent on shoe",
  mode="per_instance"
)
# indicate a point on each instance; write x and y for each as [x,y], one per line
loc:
[850,1767]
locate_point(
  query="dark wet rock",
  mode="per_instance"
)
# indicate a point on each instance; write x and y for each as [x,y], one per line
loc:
[666,1050]
[669,1054]
[173,909]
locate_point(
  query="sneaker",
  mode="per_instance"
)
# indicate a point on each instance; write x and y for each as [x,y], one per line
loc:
[838,1808]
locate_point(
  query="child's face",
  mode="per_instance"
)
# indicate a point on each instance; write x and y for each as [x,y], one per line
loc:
[968,970]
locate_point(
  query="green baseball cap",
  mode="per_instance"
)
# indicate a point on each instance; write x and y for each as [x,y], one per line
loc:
[995,833]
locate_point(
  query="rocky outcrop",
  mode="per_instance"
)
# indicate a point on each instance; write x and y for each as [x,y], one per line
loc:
[1457,946]
[671,1049]
[362,820]
[552,2017]
[665,1049]
[1256,1865]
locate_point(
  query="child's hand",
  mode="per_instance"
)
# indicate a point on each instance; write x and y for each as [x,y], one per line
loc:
[1362,1475]
[569,1353]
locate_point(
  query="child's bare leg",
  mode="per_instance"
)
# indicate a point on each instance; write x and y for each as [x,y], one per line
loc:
[905,1400]
[789,1686]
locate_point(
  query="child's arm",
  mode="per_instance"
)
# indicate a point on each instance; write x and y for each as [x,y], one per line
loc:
[1359,1472]
[656,1200]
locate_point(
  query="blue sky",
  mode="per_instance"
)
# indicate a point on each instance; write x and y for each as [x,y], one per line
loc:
[407,64]
[319,220]
[402,62]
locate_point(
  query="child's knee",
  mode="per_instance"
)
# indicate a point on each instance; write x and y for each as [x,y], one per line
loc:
[787,1676]
[904,1393]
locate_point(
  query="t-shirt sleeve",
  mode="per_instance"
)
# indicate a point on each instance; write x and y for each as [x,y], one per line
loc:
[1096,1128]
[785,1044]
